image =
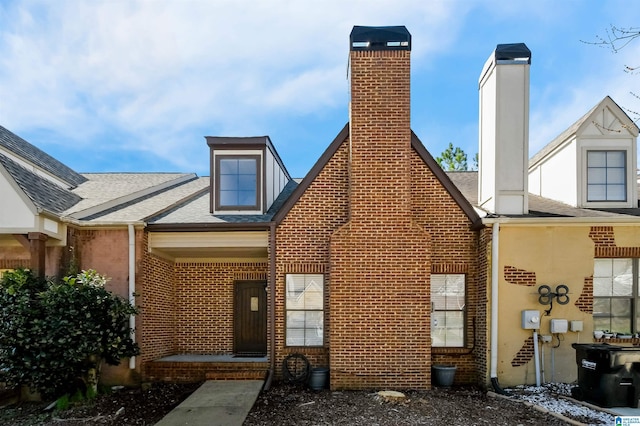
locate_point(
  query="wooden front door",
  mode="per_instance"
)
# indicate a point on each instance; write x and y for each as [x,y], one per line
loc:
[250,318]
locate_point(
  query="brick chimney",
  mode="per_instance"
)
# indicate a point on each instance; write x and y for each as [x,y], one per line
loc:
[504,131]
[380,260]
[380,133]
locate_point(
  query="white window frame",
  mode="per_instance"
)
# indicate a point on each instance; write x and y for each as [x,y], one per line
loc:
[304,310]
[444,335]
[605,182]
[588,145]
[610,289]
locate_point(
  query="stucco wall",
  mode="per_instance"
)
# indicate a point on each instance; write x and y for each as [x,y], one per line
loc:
[531,256]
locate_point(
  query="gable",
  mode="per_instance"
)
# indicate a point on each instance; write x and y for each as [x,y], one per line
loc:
[43,193]
[18,212]
[417,146]
[14,144]
[446,183]
[606,119]
[559,171]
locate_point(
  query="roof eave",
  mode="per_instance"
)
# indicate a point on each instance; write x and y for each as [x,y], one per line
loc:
[200,227]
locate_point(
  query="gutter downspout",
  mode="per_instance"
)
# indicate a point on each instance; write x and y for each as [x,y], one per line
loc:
[132,287]
[272,305]
[494,308]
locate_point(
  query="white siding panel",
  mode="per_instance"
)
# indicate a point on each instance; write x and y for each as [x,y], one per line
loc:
[270,165]
[15,213]
[558,175]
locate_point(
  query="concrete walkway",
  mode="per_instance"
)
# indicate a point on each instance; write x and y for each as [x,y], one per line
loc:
[216,403]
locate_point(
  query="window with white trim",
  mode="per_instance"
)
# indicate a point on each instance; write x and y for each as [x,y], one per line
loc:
[606,176]
[615,295]
[448,300]
[304,297]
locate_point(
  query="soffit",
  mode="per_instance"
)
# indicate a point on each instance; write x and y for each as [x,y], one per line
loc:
[236,244]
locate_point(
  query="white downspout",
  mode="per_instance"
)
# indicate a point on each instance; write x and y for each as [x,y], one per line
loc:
[132,287]
[494,307]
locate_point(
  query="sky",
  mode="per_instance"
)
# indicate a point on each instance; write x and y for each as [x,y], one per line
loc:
[135,86]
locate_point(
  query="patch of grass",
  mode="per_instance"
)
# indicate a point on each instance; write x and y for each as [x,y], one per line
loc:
[62,404]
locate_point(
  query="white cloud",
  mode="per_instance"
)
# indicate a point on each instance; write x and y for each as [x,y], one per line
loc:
[155,76]
[155,69]
[564,102]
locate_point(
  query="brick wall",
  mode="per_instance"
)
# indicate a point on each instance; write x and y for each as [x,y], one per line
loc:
[377,227]
[187,307]
[605,244]
[204,304]
[585,301]
[525,354]
[454,250]
[13,256]
[380,259]
[302,246]
[517,276]
[481,348]
[158,307]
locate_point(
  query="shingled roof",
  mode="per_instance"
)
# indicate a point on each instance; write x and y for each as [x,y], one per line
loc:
[45,194]
[467,183]
[21,148]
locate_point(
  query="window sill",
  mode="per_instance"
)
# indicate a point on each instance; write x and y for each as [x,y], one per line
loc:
[635,341]
[445,350]
[306,349]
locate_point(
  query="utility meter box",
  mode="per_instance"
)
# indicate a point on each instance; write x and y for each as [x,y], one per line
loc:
[531,320]
[559,326]
[576,326]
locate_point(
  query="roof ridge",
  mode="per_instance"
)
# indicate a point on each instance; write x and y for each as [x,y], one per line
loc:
[34,155]
[44,194]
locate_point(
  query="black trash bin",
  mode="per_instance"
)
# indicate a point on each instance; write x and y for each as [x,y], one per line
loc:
[608,375]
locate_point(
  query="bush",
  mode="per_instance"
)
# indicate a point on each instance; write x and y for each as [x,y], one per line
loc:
[56,332]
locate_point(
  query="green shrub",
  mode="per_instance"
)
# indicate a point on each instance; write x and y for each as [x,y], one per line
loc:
[55,332]
[63,402]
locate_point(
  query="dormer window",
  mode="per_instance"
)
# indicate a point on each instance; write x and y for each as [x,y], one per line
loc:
[606,176]
[592,165]
[247,175]
[238,180]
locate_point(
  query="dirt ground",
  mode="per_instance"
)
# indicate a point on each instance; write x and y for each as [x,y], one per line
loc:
[287,405]
[295,405]
[140,406]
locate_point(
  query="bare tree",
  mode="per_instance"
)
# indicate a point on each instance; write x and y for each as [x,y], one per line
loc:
[616,39]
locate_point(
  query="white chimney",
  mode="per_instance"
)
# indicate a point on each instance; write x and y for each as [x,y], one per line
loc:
[504,131]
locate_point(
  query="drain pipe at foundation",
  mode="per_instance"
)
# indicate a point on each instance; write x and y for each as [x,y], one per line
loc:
[132,287]
[272,306]
[494,309]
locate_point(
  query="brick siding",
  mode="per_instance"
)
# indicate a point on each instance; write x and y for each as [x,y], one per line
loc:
[377,227]
[585,301]
[158,307]
[525,354]
[516,276]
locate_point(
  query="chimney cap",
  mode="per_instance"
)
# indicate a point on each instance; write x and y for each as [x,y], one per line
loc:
[380,38]
[513,53]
